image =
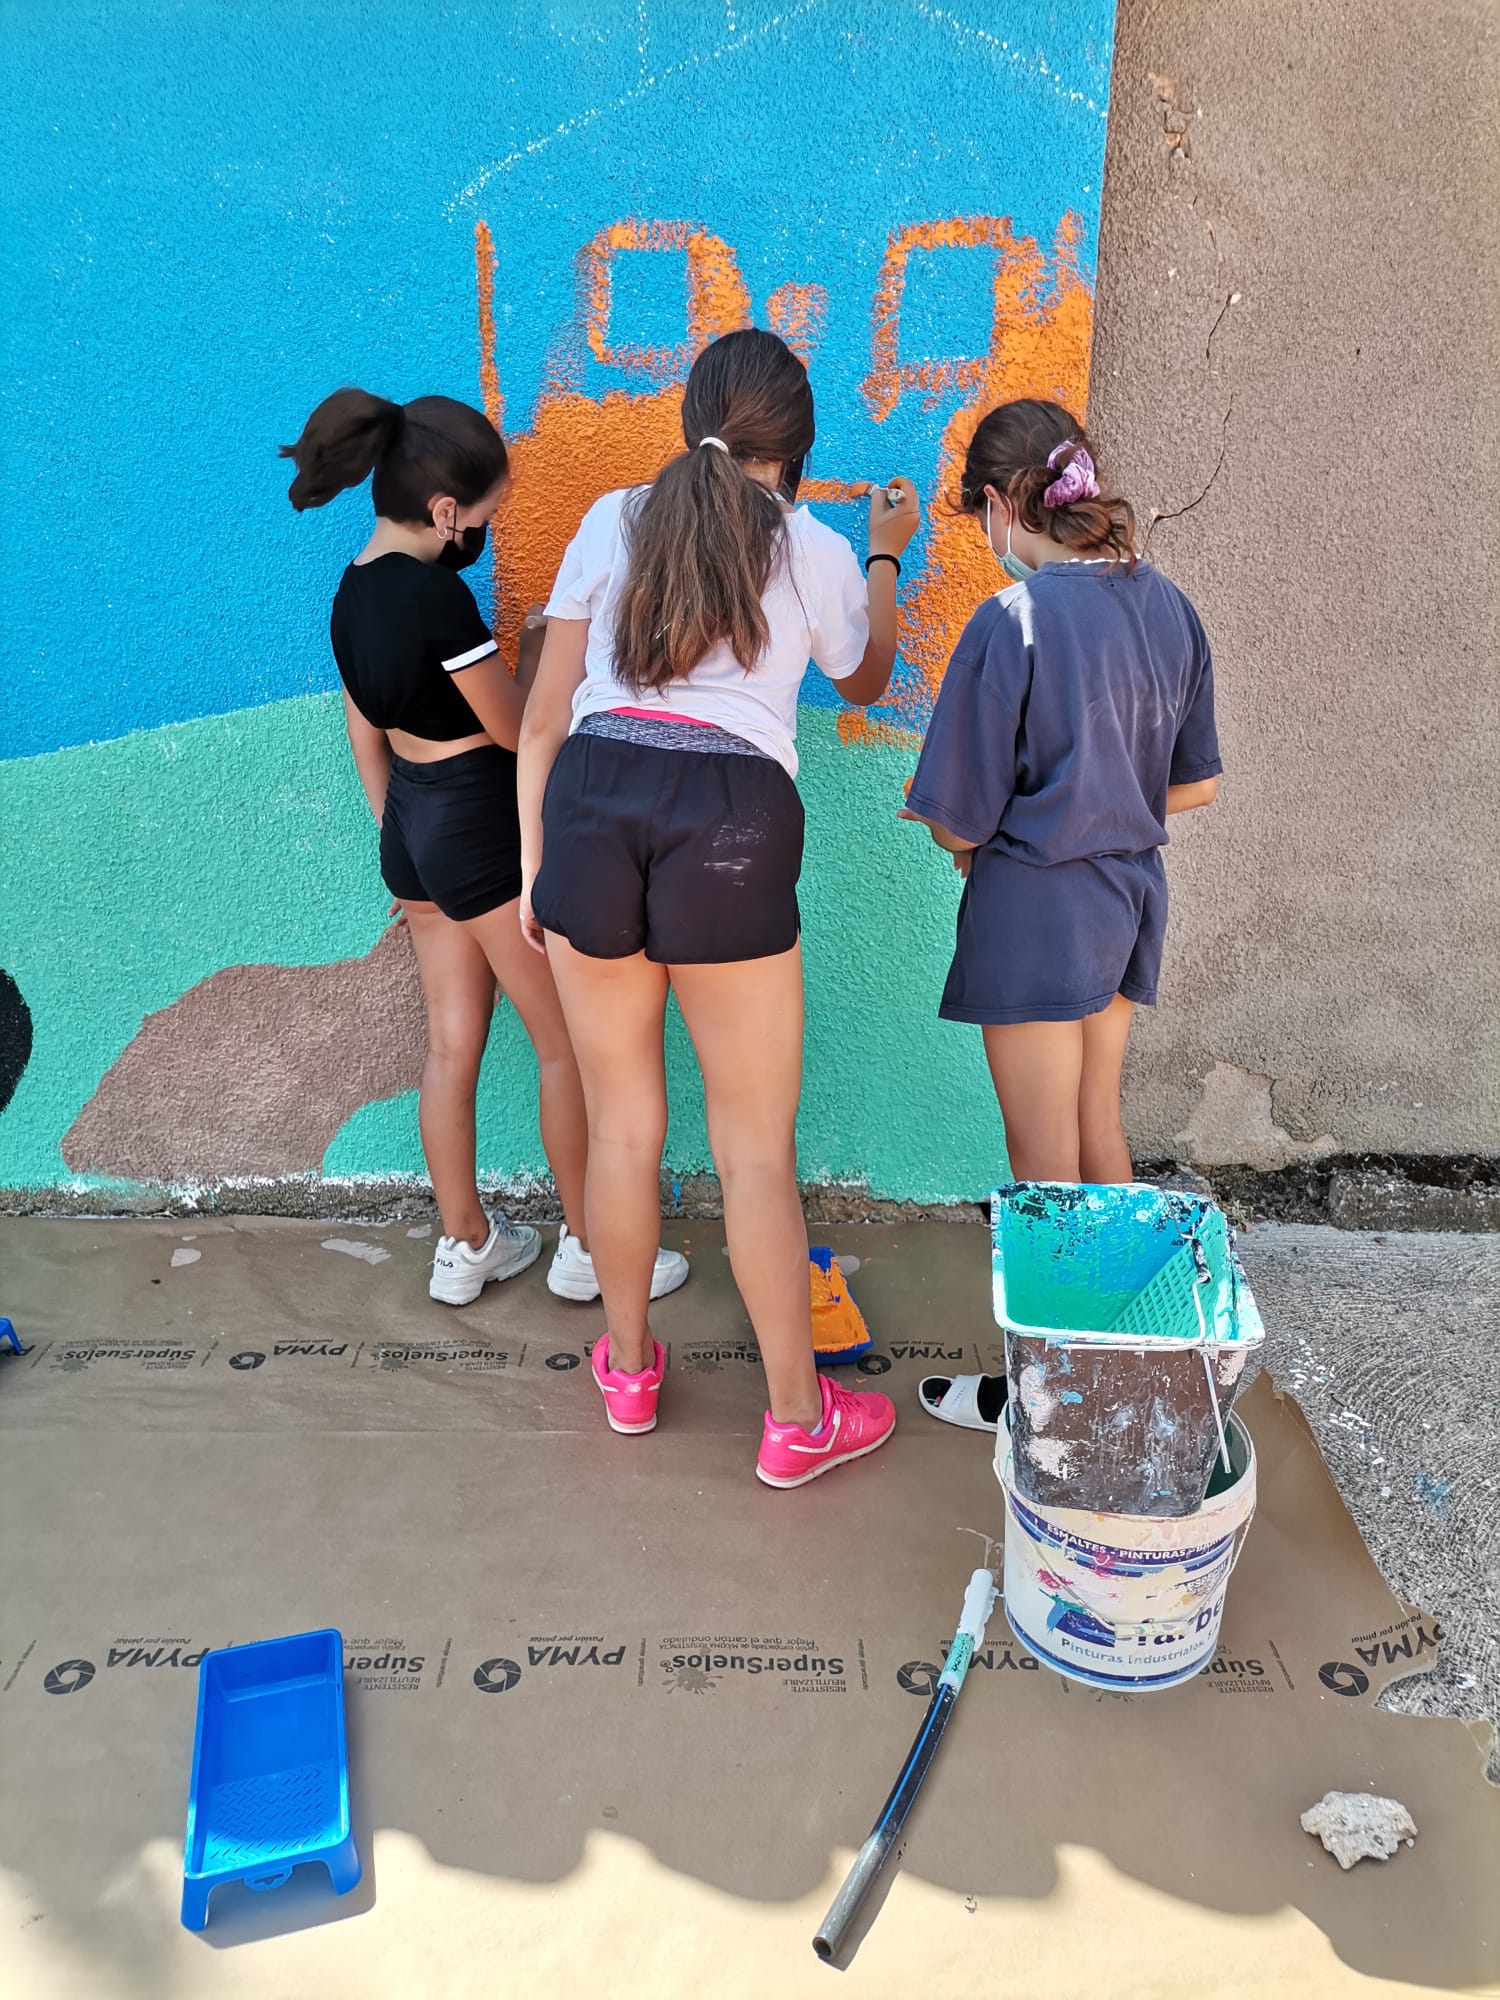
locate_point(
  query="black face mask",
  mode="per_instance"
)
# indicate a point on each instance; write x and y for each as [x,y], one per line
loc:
[466,547]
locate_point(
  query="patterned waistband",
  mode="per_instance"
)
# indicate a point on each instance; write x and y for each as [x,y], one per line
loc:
[667,734]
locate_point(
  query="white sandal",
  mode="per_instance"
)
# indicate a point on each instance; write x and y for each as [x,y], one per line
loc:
[963,1400]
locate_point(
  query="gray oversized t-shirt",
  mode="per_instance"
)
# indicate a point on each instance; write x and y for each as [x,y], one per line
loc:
[1071,702]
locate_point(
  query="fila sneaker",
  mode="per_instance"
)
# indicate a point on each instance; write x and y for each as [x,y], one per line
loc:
[460,1273]
[572,1272]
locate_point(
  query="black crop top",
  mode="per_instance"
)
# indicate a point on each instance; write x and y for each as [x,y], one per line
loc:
[400,629]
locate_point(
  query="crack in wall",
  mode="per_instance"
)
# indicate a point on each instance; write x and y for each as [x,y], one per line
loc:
[1176,513]
[1179,114]
[1231,299]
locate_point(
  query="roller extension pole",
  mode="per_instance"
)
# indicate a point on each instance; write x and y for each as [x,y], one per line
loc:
[979,1602]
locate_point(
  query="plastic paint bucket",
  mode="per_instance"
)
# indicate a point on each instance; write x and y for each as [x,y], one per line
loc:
[1124,1601]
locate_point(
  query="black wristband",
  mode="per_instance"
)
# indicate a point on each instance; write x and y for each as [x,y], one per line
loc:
[881,556]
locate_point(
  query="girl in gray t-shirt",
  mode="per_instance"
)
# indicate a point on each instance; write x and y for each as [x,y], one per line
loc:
[1076,715]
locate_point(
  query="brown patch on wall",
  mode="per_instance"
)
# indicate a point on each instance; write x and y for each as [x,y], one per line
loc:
[254,1070]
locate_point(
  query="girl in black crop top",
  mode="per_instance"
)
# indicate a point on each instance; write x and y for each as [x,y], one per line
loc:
[433,716]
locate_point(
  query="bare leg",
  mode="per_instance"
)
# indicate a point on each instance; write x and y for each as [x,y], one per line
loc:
[1037,1067]
[615,1009]
[459,991]
[746,1023]
[526,981]
[1103,1151]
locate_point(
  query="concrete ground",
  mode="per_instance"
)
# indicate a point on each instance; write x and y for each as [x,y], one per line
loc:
[1392,1346]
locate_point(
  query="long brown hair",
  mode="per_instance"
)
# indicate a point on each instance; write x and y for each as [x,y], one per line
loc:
[1011,451]
[416,450]
[704,539]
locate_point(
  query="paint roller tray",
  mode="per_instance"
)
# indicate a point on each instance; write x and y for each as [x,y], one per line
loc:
[1096,1264]
[270,1784]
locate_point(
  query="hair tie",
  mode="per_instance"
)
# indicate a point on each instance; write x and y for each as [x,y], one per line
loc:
[1076,481]
[717,443]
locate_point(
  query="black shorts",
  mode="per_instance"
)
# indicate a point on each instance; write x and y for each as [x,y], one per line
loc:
[691,858]
[450,834]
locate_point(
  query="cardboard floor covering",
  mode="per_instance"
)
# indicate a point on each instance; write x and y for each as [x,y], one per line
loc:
[618,1714]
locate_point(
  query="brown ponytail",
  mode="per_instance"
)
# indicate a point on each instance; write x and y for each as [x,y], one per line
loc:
[433,445]
[1011,450]
[705,539]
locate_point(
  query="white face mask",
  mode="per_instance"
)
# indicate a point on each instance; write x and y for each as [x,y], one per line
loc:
[1016,570]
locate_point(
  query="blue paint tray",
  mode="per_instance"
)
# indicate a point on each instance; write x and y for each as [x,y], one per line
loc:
[270,1785]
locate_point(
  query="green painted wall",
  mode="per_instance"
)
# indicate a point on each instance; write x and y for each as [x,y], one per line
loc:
[139,867]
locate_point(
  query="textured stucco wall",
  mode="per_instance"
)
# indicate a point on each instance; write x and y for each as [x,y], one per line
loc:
[1296,366]
[225,212]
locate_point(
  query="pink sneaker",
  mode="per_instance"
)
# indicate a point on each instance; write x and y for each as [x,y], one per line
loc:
[629,1400]
[853,1426]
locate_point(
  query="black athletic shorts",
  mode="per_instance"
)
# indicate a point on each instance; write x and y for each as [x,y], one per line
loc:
[450,834]
[689,857]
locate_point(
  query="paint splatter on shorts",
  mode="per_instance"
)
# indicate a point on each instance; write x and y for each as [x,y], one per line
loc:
[689,855]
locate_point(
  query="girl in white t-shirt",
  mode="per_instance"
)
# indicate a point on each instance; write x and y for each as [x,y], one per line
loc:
[661,843]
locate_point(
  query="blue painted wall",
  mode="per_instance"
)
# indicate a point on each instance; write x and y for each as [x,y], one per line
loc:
[221,213]
[227,211]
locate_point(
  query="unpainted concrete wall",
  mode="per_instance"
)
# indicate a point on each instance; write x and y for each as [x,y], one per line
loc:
[1295,369]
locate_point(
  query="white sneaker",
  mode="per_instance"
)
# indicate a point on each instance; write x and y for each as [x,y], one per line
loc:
[460,1274]
[572,1273]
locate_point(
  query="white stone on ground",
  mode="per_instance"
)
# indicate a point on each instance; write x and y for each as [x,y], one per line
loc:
[1358,1826]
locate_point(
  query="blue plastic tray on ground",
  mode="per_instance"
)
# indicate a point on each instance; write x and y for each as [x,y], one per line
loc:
[270,1785]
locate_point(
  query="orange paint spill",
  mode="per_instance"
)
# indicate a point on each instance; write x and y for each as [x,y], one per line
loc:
[581,446]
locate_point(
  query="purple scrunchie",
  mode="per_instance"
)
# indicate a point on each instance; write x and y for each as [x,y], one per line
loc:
[1076,481]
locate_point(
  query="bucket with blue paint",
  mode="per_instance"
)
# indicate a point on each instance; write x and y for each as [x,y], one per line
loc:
[1118,1601]
[1128,1326]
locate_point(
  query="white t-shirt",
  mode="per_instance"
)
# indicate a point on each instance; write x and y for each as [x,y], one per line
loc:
[816,608]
